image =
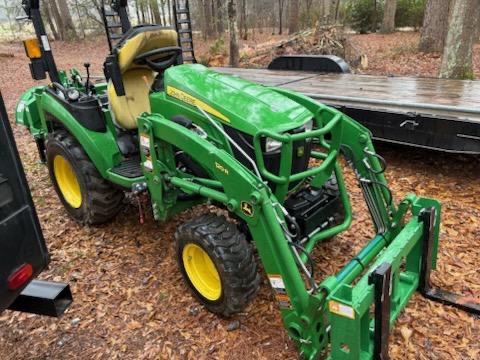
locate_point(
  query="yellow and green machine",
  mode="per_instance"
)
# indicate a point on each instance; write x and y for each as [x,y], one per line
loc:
[182,135]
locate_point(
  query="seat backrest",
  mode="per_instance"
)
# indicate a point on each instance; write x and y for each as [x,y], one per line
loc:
[137,79]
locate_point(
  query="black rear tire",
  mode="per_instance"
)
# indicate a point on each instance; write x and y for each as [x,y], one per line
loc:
[232,256]
[100,200]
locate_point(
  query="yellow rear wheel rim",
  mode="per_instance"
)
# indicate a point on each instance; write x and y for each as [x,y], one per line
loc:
[67,181]
[202,272]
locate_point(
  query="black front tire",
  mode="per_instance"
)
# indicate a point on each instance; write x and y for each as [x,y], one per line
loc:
[100,200]
[232,256]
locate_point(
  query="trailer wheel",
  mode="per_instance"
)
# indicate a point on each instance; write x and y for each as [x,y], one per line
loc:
[217,264]
[87,197]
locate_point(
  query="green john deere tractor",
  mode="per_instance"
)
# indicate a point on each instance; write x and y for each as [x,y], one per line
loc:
[184,135]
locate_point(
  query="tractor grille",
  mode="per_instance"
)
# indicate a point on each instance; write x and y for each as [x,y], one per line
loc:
[300,157]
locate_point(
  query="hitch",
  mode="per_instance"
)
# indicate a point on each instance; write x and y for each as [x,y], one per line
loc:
[43,298]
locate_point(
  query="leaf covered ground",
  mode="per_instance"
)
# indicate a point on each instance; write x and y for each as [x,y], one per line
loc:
[130,301]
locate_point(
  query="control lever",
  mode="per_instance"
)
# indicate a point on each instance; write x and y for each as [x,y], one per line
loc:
[89,89]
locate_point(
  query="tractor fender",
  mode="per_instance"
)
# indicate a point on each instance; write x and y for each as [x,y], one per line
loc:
[27,112]
[100,147]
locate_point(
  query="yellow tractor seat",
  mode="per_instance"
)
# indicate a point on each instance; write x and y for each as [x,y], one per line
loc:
[137,79]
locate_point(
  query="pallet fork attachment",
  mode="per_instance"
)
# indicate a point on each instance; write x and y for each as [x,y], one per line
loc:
[381,278]
[426,288]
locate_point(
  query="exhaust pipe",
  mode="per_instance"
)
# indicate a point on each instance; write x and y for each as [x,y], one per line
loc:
[43,298]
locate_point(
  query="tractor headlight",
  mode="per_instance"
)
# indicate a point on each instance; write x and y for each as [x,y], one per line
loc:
[308,126]
[272,145]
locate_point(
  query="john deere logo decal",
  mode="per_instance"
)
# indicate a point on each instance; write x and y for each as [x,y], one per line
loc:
[189,99]
[247,208]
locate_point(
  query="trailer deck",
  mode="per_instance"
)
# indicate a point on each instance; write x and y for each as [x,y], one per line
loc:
[431,113]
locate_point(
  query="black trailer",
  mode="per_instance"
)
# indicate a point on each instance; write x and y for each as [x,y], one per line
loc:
[431,113]
[23,253]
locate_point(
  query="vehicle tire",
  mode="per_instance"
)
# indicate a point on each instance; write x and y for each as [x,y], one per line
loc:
[217,264]
[87,197]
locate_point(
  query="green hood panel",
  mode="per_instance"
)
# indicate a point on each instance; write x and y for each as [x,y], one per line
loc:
[246,106]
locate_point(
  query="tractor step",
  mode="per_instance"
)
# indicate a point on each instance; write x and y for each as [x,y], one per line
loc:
[129,168]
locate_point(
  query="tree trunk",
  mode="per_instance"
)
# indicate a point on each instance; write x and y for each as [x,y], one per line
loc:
[50,21]
[232,27]
[151,19]
[70,32]
[213,11]
[280,16]
[220,17]
[207,13]
[375,16]
[435,25]
[244,22]
[58,19]
[337,11]
[388,25]
[241,18]
[156,12]
[80,19]
[323,12]
[142,12]
[169,7]
[294,13]
[162,12]
[137,10]
[458,52]
[308,11]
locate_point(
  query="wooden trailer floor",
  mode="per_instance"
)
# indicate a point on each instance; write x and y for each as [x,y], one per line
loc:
[435,97]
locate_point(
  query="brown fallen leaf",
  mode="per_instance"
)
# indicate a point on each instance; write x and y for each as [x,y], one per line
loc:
[134,325]
[406,333]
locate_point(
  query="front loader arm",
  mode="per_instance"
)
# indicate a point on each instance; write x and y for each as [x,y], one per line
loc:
[312,312]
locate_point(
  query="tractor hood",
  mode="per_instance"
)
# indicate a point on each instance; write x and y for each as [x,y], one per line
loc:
[241,104]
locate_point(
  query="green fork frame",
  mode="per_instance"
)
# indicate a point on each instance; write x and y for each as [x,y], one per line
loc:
[335,311]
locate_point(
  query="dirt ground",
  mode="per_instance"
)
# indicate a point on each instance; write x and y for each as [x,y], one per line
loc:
[130,301]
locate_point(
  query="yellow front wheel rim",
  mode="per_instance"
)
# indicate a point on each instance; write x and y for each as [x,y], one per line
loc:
[202,272]
[67,181]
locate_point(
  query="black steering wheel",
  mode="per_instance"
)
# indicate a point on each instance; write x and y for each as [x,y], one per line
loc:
[157,63]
